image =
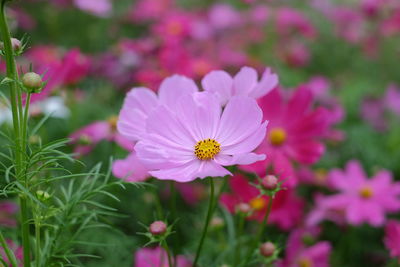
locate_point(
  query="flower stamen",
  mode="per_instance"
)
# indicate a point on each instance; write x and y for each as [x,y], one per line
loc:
[207,149]
[277,136]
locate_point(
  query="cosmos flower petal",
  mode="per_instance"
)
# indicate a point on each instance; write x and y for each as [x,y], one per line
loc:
[190,171]
[130,169]
[164,123]
[138,104]
[247,144]
[268,82]
[235,121]
[200,114]
[220,83]
[245,158]
[245,81]
[172,88]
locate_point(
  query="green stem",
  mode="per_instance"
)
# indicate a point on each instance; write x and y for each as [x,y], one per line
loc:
[16,108]
[25,123]
[210,211]
[7,250]
[239,234]
[260,232]
[165,245]
[37,232]
[25,231]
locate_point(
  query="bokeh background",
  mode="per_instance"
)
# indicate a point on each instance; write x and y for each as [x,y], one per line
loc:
[93,51]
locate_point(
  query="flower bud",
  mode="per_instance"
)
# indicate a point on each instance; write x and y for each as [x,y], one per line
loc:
[243,208]
[32,81]
[267,249]
[217,223]
[42,195]
[158,228]
[16,44]
[269,182]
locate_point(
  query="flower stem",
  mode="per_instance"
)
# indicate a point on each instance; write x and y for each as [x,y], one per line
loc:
[207,222]
[17,114]
[239,233]
[165,245]
[37,254]
[260,232]
[9,253]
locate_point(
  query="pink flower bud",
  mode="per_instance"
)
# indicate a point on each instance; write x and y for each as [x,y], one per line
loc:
[16,44]
[32,81]
[269,182]
[267,249]
[158,228]
[243,208]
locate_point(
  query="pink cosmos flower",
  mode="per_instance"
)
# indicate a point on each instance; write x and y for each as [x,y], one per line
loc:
[299,254]
[372,111]
[87,137]
[144,10]
[8,210]
[157,257]
[392,238]
[193,138]
[359,199]
[130,169]
[286,209]
[293,133]
[244,83]
[101,8]
[173,27]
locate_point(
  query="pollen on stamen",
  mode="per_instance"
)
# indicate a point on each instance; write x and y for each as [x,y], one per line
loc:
[207,149]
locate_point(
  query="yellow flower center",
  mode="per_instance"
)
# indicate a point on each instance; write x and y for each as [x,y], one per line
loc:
[366,192]
[277,136]
[258,203]
[207,149]
[112,121]
[304,262]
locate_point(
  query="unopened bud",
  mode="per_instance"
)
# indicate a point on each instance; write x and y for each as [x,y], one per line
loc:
[158,228]
[269,182]
[42,195]
[243,208]
[16,44]
[267,249]
[217,223]
[32,81]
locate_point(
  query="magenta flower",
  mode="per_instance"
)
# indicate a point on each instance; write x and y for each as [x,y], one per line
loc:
[293,133]
[89,136]
[299,254]
[193,138]
[130,169]
[392,238]
[8,211]
[286,209]
[157,257]
[244,83]
[361,200]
